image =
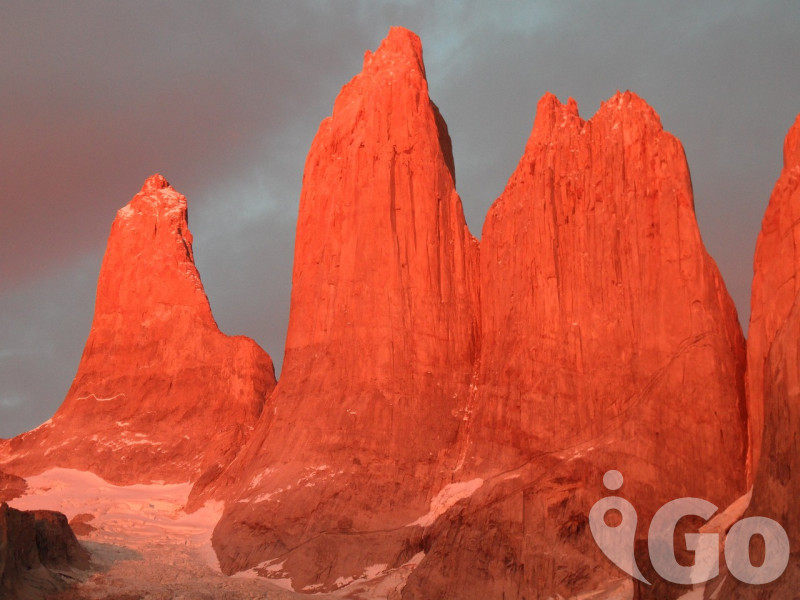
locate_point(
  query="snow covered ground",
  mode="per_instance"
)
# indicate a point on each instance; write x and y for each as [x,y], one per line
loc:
[144,546]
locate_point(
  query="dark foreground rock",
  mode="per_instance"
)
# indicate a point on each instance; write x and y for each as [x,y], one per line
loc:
[11,487]
[39,554]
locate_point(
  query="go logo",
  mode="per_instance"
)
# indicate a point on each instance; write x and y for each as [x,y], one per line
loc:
[616,542]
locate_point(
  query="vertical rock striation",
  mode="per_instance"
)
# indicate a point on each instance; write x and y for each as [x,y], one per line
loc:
[383,333]
[608,341]
[774,371]
[603,315]
[775,283]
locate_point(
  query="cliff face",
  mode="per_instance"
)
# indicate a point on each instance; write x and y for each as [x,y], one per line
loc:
[383,333]
[413,417]
[774,369]
[775,283]
[604,319]
[384,302]
[440,405]
[608,341]
[160,393]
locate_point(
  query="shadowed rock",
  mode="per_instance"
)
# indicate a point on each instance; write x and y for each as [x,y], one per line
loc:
[38,550]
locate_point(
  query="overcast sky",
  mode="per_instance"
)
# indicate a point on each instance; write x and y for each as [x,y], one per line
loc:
[223,99]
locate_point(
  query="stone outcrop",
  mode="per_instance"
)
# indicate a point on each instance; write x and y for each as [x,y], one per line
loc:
[11,487]
[383,333]
[601,308]
[160,393]
[36,549]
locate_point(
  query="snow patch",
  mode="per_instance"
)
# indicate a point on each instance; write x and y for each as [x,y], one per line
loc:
[311,473]
[343,581]
[117,445]
[61,445]
[446,498]
[133,516]
[276,568]
[258,478]
[126,212]
[268,496]
[375,570]
[48,423]
[575,452]
[377,581]
[275,574]
[100,399]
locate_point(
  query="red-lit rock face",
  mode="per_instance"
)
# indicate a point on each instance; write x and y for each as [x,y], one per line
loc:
[383,333]
[604,320]
[604,339]
[160,392]
[774,368]
[11,487]
[776,488]
[608,342]
[434,398]
[775,281]
[384,298]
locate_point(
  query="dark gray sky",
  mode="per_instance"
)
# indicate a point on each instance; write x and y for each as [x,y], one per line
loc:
[223,99]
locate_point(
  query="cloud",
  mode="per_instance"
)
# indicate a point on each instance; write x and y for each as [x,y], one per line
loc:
[44,323]
[10,401]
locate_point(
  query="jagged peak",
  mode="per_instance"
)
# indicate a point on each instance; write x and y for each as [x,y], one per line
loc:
[549,104]
[400,48]
[154,183]
[156,197]
[628,103]
[552,114]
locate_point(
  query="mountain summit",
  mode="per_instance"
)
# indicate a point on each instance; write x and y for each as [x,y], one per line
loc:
[450,412]
[432,392]
[383,333]
[160,393]
[608,342]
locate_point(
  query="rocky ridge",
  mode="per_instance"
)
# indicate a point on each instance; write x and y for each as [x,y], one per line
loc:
[444,403]
[603,330]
